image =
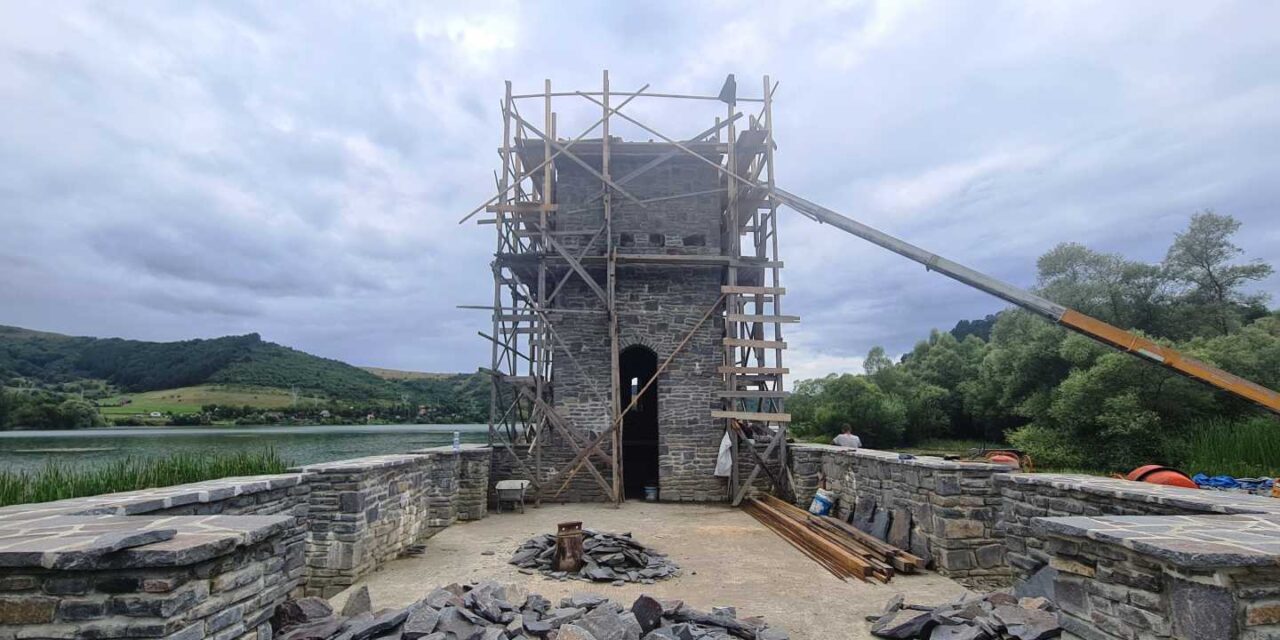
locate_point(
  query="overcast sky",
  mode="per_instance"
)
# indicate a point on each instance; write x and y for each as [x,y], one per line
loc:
[177,170]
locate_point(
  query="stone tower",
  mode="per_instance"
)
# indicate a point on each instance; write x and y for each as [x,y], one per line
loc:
[636,302]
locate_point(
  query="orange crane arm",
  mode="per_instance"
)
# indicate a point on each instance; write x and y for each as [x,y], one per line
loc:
[1069,318]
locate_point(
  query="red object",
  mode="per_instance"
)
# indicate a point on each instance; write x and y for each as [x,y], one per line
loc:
[1005,458]
[1167,476]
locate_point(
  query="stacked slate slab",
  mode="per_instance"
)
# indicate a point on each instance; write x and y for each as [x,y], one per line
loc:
[608,557]
[490,611]
[994,616]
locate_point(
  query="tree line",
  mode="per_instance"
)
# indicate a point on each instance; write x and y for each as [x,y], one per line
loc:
[1069,401]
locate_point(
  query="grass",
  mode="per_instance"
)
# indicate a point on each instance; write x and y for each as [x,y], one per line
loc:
[190,399]
[1243,448]
[60,481]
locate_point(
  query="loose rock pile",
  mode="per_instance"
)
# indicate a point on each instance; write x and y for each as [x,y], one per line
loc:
[608,557]
[489,611]
[995,616]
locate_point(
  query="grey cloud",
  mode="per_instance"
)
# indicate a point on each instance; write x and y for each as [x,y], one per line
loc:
[297,170]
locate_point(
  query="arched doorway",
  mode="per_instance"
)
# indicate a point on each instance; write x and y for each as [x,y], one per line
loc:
[636,365]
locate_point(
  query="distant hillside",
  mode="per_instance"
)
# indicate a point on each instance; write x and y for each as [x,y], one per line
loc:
[62,375]
[398,374]
[134,365]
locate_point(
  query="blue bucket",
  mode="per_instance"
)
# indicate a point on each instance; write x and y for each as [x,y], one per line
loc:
[650,494]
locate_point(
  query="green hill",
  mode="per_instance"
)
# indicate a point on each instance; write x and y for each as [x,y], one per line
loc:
[135,365]
[60,364]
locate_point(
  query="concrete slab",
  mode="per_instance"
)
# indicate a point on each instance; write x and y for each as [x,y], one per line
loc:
[726,557]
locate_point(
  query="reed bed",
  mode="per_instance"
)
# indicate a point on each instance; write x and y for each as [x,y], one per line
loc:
[59,480]
[1240,448]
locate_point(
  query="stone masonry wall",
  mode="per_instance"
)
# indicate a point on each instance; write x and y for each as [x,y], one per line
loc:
[1027,497]
[183,577]
[1187,577]
[367,511]
[657,307]
[285,494]
[556,455]
[213,559]
[675,225]
[940,510]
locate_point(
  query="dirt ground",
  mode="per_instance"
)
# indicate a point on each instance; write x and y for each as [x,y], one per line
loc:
[726,557]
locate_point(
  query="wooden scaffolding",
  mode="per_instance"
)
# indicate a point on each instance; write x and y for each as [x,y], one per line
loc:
[533,262]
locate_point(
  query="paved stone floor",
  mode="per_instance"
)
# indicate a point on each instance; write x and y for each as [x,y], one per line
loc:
[726,557]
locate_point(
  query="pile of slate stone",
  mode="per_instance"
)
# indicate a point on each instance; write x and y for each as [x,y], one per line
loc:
[489,611]
[607,557]
[994,616]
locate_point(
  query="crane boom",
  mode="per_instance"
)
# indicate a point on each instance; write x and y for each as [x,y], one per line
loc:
[1069,318]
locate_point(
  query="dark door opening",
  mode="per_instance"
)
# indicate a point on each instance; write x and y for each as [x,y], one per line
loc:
[636,365]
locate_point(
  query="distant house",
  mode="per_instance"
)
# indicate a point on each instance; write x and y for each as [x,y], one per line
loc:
[156,414]
[325,413]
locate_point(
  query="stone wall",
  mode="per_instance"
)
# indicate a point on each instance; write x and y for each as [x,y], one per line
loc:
[179,577]
[286,493]
[213,559]
[679,225]
[941,510]
[364,512]
[367,511]
[556,455]
[1123,560]
[657,306]
[1192,577]
[1027,497]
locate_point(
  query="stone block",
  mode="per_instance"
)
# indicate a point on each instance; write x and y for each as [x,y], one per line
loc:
[1201,611]
[28,609]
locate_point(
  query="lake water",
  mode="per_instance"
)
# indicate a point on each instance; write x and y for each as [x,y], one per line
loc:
[28,450]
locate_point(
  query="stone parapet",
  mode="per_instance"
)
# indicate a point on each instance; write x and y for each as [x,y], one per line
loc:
[182,577]
[367,511]
[1027,497]
[213,559]
[942,510]
[1192,577]
[245,495]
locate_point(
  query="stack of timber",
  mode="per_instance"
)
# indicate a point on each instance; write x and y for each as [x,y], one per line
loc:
[842,549]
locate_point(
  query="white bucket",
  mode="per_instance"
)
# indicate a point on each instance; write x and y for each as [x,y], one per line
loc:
[651,494]
[823,500]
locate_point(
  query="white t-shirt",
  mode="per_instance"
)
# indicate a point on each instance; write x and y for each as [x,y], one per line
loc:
[848,440]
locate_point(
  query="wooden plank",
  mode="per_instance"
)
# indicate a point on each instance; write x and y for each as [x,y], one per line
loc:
[534,233]
[749,415]
[521,207]
[751,370]
[755,344]
[742,317]
[691,259]
[752,393]
[768,291]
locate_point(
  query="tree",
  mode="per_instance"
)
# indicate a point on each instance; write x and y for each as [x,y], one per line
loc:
[1201,261]
[877,417]
[876,361]
[1126,293]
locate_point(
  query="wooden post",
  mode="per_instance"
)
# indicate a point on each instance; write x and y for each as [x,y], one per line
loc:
[615,402]
[730,222]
